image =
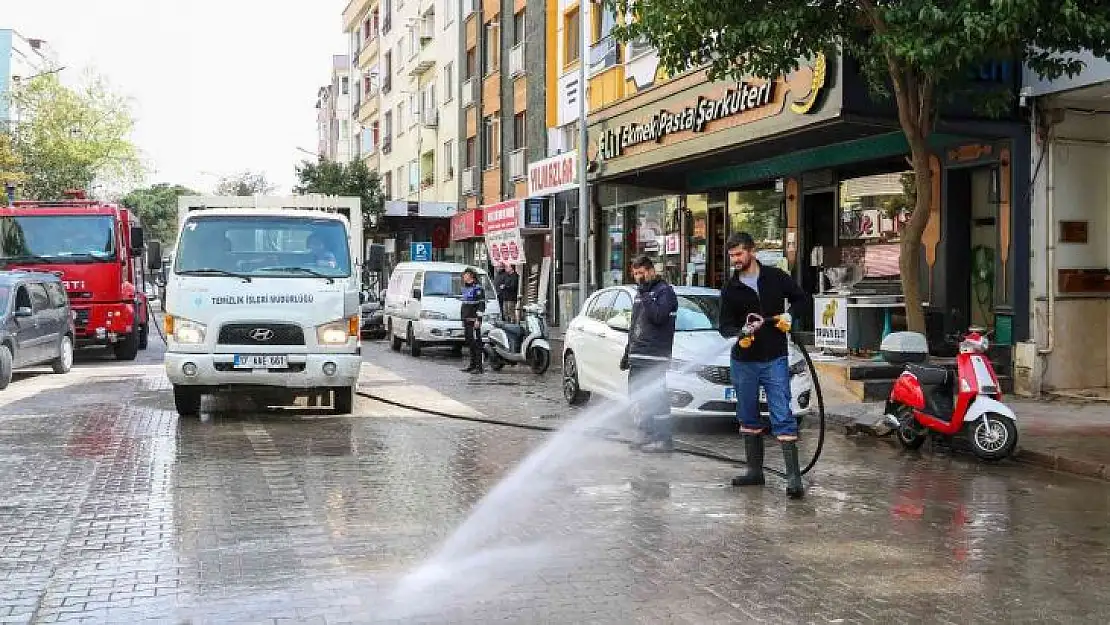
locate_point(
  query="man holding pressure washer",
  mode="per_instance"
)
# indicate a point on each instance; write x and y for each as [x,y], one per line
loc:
[753,311]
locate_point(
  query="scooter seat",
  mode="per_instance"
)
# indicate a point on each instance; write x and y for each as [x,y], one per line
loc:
[513,329]
[930,376]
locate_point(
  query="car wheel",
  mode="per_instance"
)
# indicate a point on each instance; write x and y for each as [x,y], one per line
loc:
[5,366]
[414,345]
[572,392]
[64,362]
[186,399]
[394,340]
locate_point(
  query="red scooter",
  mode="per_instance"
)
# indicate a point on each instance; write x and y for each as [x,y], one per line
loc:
[935,399]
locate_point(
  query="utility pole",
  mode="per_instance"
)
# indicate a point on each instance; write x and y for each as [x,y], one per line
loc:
[583,193]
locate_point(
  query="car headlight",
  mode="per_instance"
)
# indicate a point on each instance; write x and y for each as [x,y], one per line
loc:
[337,332]
[184,331]
[431,314]
[798,367]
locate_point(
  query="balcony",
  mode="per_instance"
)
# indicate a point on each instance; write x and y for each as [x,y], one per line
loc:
[369,52]
[369,107]
[429,118]
[387,144]
[516,60]
[469,180]
[604,54]
[518,169]
[638,47]
[423,60]
[468,88]
[427,28]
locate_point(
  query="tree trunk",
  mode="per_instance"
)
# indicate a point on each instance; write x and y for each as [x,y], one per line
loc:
[909,261]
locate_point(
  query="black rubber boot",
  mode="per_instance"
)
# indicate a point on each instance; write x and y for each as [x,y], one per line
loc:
[794,487]
[753,455]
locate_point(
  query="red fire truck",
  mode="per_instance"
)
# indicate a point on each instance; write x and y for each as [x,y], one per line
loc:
[97,249]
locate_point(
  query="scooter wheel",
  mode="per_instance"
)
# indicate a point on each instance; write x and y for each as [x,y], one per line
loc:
[540,360]
[909,435]
[496,362]
[992,437]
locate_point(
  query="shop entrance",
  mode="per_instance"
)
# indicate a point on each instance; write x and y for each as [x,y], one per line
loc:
[971,247]
[819,228]
[716,254]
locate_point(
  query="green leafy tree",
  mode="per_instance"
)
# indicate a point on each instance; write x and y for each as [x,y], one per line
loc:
[244,183]
[353,179]
[921,52]
[156,207]
[68,138]
[11,167]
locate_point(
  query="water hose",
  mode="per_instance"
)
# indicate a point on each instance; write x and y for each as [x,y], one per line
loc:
[680,445]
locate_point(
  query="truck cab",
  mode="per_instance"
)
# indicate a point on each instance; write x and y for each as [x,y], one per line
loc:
[262,297]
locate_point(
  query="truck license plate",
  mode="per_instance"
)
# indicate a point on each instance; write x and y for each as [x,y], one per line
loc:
[730,394]
[261,361]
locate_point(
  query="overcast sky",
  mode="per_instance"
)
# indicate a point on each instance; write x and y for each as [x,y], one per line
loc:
[218,86]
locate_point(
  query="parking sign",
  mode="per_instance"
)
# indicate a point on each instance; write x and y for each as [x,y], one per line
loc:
[421,251]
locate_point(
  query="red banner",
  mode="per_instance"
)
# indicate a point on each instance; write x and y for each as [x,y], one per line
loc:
[467,225]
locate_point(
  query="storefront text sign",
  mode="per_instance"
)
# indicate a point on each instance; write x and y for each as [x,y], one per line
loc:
[502,224]
[467,225]
[744,97]
[830,316]
[553,175]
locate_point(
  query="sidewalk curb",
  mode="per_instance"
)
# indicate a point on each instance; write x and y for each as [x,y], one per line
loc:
[1040,459]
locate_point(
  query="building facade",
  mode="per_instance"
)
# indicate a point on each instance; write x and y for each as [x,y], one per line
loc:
[362,21]
[1069,346]
[333,114]
[20,59]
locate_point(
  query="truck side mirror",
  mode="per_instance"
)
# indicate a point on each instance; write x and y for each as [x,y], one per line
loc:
[361,297]
[154,256]
[416,294]
[137,241]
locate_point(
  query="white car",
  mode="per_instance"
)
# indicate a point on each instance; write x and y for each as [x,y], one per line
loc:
[698,382]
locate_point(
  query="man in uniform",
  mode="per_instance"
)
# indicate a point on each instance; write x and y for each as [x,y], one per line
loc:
[760,358]
[473,302]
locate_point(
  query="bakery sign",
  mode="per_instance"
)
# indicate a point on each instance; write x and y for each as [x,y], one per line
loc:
[757,98]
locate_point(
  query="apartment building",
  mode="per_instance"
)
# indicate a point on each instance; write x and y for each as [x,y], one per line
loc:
[21,58]
[362,24]
[333,114]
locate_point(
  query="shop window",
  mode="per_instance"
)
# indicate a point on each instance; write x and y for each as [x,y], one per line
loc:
[572,42]
[873,211]
[760,214]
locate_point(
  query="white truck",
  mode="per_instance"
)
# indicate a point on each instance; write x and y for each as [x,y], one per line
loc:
[263,298]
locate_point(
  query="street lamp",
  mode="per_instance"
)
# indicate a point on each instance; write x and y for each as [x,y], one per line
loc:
[308,152]
[583,195]
[34,76]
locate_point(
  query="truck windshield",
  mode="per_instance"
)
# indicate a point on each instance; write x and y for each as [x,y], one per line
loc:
[57,238]
[276,247]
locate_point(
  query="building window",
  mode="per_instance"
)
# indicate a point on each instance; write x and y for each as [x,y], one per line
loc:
[448,159]
[400,54]
[345,85]
[572,43]
[519,140]
[450,8]
[375,134]
[491,48]
[401,181]
[449,81]
[387,16]
[387,185]
[414,110]
[368,141]
[601,23]
[414,176]
[400,119]
[518,28]
[470,68]
[491,146]
[470,158]
[344,128]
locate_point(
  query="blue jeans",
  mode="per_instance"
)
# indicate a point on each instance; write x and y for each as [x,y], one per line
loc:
[774,377]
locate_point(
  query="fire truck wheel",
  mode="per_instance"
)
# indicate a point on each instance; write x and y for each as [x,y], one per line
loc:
[128,348]
[144,335]
[5,366]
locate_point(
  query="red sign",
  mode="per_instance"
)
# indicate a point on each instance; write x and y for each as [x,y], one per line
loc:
[503,232]
[467,225]
[552,175]
[502,216]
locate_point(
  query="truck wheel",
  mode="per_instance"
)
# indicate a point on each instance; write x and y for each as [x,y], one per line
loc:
[128,348]
[187,400]
[64,362]
[5,366]
[394,340]
[144,335]
[344,399]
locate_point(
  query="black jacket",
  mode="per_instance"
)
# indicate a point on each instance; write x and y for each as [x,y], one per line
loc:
[651,332]
[473,300]
[507,287]
[738,301]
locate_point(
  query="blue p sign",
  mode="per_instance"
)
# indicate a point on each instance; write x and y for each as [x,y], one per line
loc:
[421,251]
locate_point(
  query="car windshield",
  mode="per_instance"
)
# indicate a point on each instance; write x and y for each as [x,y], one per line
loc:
[697,313]
[57,238]
[449,284]
[280,247]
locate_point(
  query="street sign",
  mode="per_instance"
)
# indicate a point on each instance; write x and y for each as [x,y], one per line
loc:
[421,252]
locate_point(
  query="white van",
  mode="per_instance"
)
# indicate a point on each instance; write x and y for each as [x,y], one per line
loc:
[422,305]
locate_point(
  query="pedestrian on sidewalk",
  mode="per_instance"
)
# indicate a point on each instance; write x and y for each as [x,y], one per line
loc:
[761,359]
[647,356]
[473,303]
[507,291]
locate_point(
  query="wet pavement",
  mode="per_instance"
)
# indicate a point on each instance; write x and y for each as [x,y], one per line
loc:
[114,510]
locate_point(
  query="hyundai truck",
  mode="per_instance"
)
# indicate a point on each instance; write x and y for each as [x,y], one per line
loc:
[263,299]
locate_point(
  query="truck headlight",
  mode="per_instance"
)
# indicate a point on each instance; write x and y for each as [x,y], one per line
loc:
[184,331]
[337,332]
[431,314]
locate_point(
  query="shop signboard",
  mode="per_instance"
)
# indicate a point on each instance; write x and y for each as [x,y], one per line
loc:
[502,226]
[553,175]
[830,320]
[467,225]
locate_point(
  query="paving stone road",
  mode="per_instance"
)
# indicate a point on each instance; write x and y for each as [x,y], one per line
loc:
[114,510]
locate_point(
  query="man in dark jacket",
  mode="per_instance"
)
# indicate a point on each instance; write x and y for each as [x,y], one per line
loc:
[473,302]
[760,358]
[507,293]
[647,356]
